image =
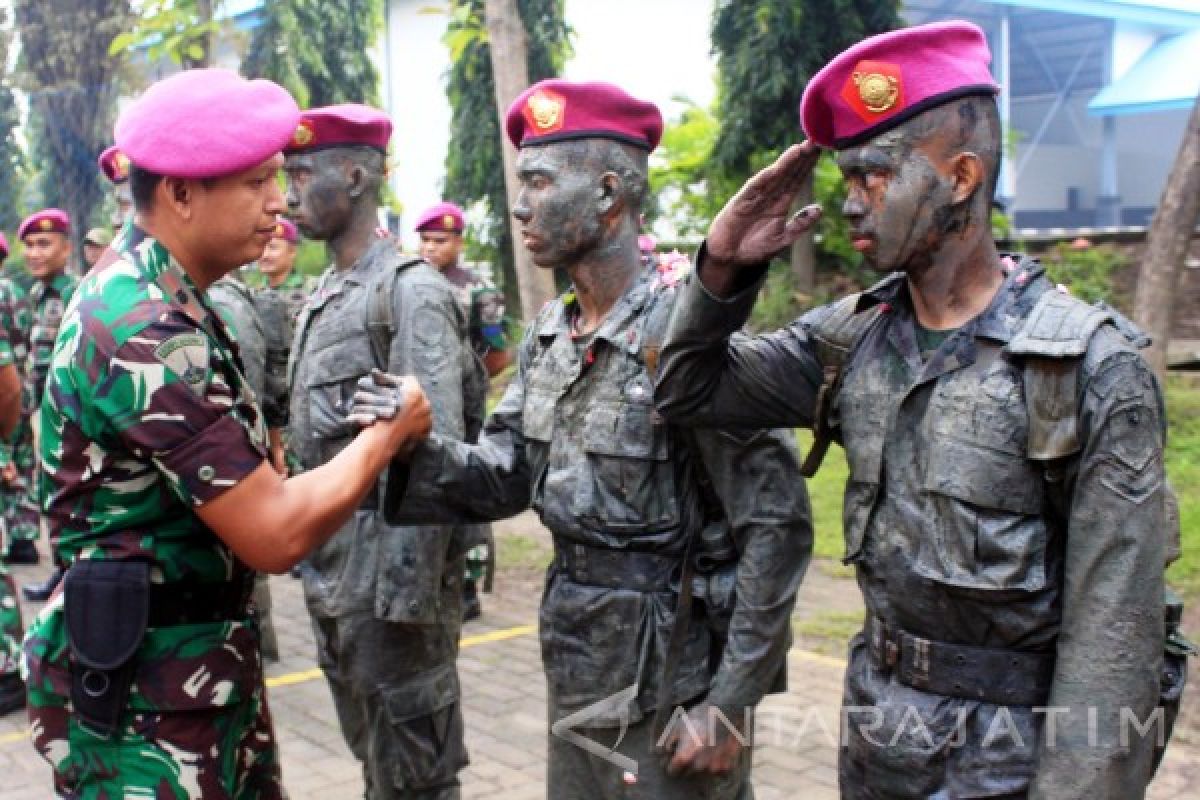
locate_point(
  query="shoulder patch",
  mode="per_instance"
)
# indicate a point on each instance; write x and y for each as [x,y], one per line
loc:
[186,354]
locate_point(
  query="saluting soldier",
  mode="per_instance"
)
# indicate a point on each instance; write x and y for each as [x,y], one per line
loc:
[1005,509]
[144,671]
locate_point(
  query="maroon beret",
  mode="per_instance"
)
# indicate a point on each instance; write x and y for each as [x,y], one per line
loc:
[48,220]
[556,110]
[340,126]
[114,164]
[441,217]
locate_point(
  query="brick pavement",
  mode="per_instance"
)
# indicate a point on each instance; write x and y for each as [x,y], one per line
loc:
[504,696]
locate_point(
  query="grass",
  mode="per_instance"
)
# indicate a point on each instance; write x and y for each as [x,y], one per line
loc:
[1183,468]
[828,631]
[520,552]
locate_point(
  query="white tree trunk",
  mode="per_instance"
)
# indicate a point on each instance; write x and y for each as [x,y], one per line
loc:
[506,35]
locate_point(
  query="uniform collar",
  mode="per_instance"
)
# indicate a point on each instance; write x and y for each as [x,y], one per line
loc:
[161,268]
[616,327]
[360,272]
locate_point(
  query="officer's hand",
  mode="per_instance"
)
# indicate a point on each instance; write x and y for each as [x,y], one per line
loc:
[692,755]
[377,396]
[757,223]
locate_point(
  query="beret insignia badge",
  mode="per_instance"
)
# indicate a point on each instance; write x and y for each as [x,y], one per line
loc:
[874,90]
[304,134]
[120,166]
[545,111]
[448,222]
[46,224]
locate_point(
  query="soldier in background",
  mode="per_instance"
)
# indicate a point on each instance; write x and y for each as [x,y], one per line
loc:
[277,265]
[386,601]
[95,242]
[12,688]
[441,230]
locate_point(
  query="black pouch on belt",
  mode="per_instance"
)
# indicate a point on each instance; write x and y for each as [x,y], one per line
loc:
[107,609]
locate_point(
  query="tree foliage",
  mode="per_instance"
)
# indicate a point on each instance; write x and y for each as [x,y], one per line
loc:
[767,51]
[11,158]
[474,154]
[71,80]
[319,52]
[179,30]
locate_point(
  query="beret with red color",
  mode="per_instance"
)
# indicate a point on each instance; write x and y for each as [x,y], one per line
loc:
[48,220]
[340,126]
[3,245]
[114,164]
[885,80]
[206,123]
[556,110]
[441,217]
[285,229]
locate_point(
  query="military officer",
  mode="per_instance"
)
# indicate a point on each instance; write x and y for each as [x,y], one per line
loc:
[277,264]
[46,235]
[643,515]
[144,675]
[385,600]
[12,689]
[440,228]
[115,166]
[1005,505]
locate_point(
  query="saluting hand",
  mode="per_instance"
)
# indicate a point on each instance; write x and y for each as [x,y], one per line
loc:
[757,224]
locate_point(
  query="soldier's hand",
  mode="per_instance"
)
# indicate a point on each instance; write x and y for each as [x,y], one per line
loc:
[690,755]
[8,473]
[395,402]
[757,223]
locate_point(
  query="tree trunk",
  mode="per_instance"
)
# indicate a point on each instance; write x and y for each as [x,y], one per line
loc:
[506,35]
[804,254]
[1166,245]
[204,16]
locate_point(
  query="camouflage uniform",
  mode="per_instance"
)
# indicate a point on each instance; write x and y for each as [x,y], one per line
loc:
[19,509]
[278,307]
[147,415]
[261,344]
[294,291]
[12,349]
[576,436]
[385,600]
[1005,516]
[483,304]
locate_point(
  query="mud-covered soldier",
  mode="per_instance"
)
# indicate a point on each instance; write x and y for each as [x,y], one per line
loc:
[440,228]
[12,688]
[385,600]
[636,507]
[46,236]
[144,671]
[1005,505]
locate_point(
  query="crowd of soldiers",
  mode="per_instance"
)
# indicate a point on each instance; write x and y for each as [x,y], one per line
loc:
[1006,513]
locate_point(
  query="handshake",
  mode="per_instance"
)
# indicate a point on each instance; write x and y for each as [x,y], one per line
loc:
[399,406]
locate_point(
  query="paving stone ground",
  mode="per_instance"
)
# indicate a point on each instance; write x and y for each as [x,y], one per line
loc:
[504,694]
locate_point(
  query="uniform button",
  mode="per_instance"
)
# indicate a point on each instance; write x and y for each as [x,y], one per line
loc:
[413,606]
[206,473]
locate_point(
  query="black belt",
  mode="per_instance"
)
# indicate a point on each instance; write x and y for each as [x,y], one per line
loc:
[1000,677]
[616,569]
[197,603]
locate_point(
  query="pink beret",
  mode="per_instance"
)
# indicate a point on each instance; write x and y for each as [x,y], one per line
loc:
[339,126]
[285,229]
[205,123]
[48,220]
[882,81]
[647,243]
[442,217]
[115,164]
[556,110]
[4,245]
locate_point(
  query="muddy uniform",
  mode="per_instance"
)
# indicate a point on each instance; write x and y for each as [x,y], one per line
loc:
[1005,516]
[385,600]
[576,436]
[147,415]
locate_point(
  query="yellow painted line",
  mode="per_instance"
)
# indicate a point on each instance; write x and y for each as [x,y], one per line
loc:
[9,738]
[292,678]
[818,658]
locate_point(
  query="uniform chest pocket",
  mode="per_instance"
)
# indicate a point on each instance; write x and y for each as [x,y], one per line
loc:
[628,483]
[331,383]
[989,531]
[537,416]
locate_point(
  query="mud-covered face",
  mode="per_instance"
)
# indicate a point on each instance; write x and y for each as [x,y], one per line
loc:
[318,193]
[899,198]
[558,205]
